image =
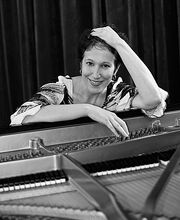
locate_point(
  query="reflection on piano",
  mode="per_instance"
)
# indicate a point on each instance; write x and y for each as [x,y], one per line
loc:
[82,171]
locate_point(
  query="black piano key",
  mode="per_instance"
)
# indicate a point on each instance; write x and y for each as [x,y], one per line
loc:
[31,179]
[3,182]
[16,180]
[47,177]
[57,175]
[51,175]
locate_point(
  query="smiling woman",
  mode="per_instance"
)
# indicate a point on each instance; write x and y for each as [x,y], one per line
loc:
[96,92]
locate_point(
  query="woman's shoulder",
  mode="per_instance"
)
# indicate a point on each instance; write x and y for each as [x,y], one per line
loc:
[67,82]
[58,86]
[64,79]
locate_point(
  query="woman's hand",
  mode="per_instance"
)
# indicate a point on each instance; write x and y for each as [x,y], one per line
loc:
[110,119]
[108,35]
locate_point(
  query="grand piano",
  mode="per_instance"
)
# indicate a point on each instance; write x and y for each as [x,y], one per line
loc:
[79,170]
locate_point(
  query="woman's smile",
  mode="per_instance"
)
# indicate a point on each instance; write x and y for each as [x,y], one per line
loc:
[95,82]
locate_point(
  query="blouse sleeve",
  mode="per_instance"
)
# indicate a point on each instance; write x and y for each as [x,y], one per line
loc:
[49,94]
[156,112]
[122,95]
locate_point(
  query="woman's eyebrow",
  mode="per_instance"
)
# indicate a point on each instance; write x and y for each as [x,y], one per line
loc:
[87,58]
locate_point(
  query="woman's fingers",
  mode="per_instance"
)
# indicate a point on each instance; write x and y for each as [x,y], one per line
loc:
[122,123]
[98,32]
[100,29]
[117,126]
[120,128]
[107,34]
[111,127]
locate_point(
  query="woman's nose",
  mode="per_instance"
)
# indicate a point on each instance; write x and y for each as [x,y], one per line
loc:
[96,72]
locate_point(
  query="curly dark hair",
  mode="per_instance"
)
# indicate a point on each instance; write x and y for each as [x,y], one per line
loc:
[88,41]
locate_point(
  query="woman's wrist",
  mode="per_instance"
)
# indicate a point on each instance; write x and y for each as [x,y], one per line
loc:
[121,44]
[87,109]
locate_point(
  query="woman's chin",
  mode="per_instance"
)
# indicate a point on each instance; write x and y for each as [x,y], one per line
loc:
[96,89]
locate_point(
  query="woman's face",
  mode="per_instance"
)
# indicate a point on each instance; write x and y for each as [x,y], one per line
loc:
[97,68]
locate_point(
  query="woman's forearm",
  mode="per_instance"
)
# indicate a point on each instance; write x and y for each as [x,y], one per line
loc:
[52,113]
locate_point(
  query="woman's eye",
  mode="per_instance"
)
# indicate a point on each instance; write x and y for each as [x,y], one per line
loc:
[89,63]
[105,66]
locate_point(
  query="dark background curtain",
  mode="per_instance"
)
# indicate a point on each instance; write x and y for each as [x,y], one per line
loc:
[38,42]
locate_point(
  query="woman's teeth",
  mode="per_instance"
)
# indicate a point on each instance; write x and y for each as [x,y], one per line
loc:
[95,83]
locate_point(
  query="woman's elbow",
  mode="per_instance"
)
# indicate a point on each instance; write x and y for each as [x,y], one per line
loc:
[152,103]
[156,99]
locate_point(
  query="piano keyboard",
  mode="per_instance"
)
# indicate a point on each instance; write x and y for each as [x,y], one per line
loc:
[130,164]
[32,181]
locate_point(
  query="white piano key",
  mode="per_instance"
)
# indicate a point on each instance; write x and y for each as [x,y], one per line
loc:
[37,184]
[27,186]
[52,182]
[58,181]
[47,183]
[11,188]
[17,187]
[138,168]
[113,171]
[32,185]
[6,188]
[42,183]
[63,180]
[104,173]
[22,186]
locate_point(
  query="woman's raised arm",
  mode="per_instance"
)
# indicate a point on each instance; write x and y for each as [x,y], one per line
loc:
[149,94]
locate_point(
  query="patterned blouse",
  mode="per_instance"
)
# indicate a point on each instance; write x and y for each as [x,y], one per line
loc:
[119,98]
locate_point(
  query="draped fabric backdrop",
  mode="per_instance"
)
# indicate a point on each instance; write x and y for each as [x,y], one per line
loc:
[39,38]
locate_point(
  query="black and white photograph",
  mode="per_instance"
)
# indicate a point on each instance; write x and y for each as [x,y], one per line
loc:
[90,109]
